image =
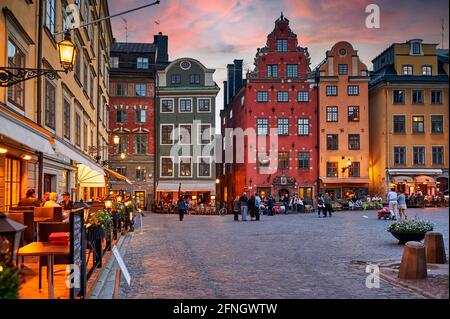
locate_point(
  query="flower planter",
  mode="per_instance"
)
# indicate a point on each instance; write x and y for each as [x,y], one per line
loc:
[95,233]
[403,238]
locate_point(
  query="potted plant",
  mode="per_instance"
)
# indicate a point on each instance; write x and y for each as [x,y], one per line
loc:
[410,230]
[100,224]
[9,281]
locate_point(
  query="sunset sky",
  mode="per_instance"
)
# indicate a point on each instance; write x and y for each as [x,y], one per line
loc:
[218,31]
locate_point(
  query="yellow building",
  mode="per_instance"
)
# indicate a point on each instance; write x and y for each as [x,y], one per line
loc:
[343,123]
[53,130]
[408,104]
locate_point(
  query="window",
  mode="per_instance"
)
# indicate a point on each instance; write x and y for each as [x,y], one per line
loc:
[140,175]
[122,147]
[16,59]
[332,142]
[50,15]
[418,124]
[399,155]
[141,116]
[283,96]
[66,119]
[354,170]
[50,100]
[426,70]
[185,167]
[417,96]
[91,88]
[166,134]
[140,144]
[407,70]
[302,96]
[114,62]
[204,105]
[204,167]
[122,171]
[122,116]
[353,113]
[282,45]
[283,160]
[419,155]
[416,48]
[437,155]
[343,69]
[185,105]
[85,136]
[437,124]
[292,70]
[142,63]
[399,97]
[353,141]
[166,167]
[77,130]
[205,134]
[175,79]
[399,124]
[166,106]
[121,89]
[332,169]
[262,96]
[304,160]
[194,79]
[77,67]
[185,132]
[303,126]
[283,126]
[436,97]
[85,76]
[12,178]
[141,89]
[272,71]
[331,90]
[332,114]
[353,90]
[262,126]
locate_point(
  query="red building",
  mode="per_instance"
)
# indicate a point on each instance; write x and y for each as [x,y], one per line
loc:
[277,95]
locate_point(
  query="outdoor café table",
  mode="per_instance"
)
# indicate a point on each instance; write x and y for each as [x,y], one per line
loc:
[46,249]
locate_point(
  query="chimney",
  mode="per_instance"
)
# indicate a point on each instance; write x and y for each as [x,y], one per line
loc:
[225,93]
[161,41]
[237,76]
[231,87]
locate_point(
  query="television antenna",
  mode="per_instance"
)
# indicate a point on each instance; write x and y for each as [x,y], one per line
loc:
[126,29]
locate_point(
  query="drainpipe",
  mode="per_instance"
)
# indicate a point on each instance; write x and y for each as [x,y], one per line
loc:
[39,95]
[317,80]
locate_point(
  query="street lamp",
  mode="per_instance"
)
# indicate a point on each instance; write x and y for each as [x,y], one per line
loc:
[122,155]
[67,52]
[10,233]
[108,203]
[217,181]
[116,140]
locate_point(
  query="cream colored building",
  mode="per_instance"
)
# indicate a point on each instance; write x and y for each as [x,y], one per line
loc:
[71,126]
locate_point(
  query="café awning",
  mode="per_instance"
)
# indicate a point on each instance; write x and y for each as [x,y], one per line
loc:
[423,179]
[23,132]
[186,187]
[402,179]
[116,175]
[414,171]
[74,155]
[87,177]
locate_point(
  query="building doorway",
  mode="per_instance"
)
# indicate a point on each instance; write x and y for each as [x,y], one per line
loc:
[49,183]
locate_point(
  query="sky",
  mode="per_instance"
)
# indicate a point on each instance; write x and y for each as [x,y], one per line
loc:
[218,31]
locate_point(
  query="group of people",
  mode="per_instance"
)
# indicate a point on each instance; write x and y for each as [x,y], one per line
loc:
[397,204]
[248,206]
[50,199]
[324,205]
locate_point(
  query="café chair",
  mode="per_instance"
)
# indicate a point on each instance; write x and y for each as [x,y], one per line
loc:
[54,213]
[28,215]
[44,231]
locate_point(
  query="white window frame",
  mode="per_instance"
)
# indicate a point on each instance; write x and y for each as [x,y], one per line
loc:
[210,166]
[179,133]
[424,123]
[424,156]
[179,166]
[160,166]
[393,155]
[443,148]
[198,104]
[161,103]
[199,135]
[188,99]
[160,133]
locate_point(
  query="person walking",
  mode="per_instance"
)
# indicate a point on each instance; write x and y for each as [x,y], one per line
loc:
[392,199]
[244,206]
[270,204]
[257,204]
[401,199]
[321,206]
[236,208]
[327,202]
[181,207]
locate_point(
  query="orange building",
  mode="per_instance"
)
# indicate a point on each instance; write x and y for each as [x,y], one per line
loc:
[343,123]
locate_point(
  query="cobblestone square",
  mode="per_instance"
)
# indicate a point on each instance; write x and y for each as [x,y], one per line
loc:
[293,256]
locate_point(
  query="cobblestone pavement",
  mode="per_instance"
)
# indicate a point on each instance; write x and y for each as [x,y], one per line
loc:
[293,256]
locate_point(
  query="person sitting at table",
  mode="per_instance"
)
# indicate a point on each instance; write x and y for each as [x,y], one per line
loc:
[66,204]
[30,199]
[45,199]
[52,202]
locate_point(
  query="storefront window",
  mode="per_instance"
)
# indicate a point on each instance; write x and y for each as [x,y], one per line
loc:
[12,182]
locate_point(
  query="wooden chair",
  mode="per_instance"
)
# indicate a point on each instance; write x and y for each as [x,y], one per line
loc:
[44,231]
[28,220]
[55,213]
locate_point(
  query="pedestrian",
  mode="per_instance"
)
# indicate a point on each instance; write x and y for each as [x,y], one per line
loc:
[181,207]
[251,206]
[327,202]
[244,206]
[257,204]
[321,206]
[392,199]
[270,204]
[402,205]
[236,208]
[30,199]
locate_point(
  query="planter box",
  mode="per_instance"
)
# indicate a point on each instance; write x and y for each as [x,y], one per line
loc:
[95,233]
[403,238]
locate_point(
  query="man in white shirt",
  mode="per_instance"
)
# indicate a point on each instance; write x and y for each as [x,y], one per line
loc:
[393,204]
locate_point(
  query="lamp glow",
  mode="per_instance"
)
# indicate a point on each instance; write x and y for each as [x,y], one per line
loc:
[67,52]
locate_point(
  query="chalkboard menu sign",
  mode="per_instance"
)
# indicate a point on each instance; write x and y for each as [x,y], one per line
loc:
[77,278]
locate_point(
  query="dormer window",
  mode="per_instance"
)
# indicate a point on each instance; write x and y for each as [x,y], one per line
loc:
[416,47]
[282,45]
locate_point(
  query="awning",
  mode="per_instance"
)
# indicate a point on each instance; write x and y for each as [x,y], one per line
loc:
[402,179]
[414,171]
[74,155]
[22,133]
[186,187]
[116,175]
[424,179]
[87,177]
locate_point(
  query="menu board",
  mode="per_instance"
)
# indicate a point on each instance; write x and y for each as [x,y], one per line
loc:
[77,254]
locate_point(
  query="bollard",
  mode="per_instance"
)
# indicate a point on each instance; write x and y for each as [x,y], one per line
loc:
[414,264]
[434,248]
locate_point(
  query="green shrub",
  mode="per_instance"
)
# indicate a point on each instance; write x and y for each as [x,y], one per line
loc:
[9,282]
[412,226]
